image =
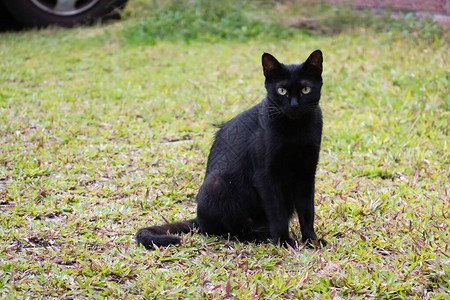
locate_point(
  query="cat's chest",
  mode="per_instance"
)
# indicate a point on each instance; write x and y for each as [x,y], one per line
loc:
[294,159]
[294,139]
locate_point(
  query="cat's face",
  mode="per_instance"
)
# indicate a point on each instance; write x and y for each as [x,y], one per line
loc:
[293,89]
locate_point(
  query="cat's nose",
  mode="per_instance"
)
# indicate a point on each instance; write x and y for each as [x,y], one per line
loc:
[294,102]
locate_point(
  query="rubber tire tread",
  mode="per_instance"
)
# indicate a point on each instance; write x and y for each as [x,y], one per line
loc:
[30,15]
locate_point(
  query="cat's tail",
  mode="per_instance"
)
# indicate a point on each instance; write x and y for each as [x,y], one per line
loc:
[161,235]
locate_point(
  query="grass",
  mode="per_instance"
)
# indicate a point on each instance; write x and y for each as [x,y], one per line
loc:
[101,135]
[208,21]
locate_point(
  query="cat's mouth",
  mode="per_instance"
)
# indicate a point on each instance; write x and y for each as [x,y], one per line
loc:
[295,112]
[298,111]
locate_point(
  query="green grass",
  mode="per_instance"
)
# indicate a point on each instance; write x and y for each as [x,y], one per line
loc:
[204,20]
[101,135]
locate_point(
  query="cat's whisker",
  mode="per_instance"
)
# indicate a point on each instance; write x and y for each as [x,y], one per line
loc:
[309,107]
[273,111]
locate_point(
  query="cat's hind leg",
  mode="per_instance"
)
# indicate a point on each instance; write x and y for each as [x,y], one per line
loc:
[219,210]
[254,233]
[210,212]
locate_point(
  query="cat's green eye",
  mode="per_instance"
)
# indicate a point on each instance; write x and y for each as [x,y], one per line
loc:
[306,90]
[281,91]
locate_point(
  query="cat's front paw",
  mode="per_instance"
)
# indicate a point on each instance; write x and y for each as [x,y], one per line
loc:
[315,244]
[288,243]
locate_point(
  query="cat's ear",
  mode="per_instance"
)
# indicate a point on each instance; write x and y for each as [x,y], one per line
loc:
[314,62]
[270,64]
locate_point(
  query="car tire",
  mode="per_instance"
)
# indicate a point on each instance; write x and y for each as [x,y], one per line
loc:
[7,22]
[64,13]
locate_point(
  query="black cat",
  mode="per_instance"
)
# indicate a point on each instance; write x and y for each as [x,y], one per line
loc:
[262,164]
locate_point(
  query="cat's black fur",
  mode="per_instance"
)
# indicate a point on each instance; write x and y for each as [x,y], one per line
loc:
[262,164]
